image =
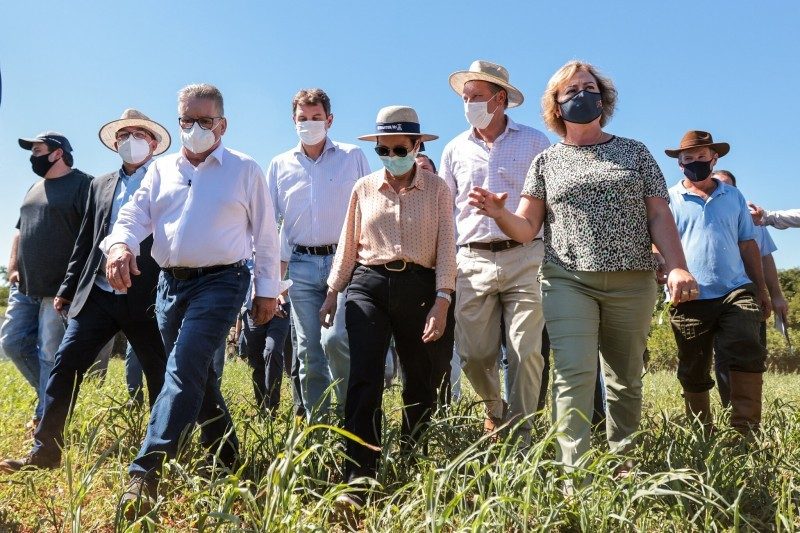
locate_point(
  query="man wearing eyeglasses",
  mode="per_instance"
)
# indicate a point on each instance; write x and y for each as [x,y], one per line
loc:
[310,187]
[208,209]
[96,311]
[497,277]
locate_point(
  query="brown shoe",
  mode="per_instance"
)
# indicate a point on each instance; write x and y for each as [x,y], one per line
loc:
[32,461]
[492,424]
[698,405]
[746,401]
[138,498]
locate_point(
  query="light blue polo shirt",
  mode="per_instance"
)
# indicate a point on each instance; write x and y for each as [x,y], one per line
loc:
[710,234]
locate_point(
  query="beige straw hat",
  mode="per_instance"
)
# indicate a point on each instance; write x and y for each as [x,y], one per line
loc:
[486,71]
[132,117]
[397,120]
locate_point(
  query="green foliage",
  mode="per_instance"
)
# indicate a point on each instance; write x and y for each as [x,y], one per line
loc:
[292,472]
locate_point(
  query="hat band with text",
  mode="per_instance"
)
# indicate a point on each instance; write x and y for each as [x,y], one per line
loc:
[397,127]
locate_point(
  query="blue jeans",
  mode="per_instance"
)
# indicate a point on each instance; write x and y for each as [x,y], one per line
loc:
[263,347]
[194,317]
[30,337]
[322,354]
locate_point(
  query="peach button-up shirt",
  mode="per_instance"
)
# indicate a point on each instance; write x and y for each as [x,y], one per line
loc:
[415,224]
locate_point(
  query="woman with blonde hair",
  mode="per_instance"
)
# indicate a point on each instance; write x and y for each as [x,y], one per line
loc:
[603,202]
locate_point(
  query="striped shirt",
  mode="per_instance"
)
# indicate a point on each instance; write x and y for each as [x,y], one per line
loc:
[467,162]
[415,225]
[311,196]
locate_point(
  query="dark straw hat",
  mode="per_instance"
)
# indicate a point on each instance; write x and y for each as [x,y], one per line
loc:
[697,139]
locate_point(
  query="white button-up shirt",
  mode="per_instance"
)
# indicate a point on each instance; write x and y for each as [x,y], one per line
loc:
[217,213]
[312,195]
[467,162]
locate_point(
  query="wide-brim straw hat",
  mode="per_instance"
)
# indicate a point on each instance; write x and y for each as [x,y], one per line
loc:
[137,119]
[397,120]
[487,71]
[697,139]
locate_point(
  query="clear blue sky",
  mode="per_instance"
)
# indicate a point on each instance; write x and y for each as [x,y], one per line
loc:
[727,67]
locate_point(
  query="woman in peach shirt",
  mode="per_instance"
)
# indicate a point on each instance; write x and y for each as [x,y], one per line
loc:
[396,259]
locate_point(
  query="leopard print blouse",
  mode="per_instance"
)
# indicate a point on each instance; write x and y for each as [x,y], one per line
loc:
[596,217]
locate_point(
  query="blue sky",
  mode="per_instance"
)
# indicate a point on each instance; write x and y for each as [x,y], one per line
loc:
[727,67]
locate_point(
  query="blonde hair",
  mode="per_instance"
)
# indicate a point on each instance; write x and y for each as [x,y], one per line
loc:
[608,94]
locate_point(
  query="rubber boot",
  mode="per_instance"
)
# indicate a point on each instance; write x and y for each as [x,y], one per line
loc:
[746,400]
[698,404]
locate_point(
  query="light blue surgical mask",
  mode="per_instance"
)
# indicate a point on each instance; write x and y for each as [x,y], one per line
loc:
[396,165]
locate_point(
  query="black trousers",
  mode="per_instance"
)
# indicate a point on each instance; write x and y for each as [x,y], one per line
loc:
[380,304]
[264,346]
[731,324]
[103,315]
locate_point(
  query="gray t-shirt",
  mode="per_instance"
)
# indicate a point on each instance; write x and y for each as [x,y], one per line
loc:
[50,218]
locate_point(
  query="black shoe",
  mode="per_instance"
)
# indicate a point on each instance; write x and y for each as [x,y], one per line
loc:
[138,498]
[32,461]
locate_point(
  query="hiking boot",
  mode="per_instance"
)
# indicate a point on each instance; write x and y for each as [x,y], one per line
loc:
[139,497]
[746,401]
[698,404]
[32,461]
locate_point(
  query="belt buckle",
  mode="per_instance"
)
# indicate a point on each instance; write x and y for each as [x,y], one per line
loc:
[386,266]
[181,274]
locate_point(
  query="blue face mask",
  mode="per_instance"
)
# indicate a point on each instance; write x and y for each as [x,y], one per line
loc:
[582,108]
[397,166]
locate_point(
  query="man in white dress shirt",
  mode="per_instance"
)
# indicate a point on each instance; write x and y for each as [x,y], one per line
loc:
[497,277]
[310,187]
[208,209]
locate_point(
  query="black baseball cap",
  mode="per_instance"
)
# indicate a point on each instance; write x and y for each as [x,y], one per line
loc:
[53,139]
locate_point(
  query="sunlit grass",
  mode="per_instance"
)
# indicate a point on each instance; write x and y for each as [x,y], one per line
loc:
[291,473]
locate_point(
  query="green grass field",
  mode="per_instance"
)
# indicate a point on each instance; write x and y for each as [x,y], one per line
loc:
[292,473]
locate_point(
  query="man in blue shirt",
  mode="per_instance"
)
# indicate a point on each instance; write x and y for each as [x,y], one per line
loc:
[718,235]
[96,311]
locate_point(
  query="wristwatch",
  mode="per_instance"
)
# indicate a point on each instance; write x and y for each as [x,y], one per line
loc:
[445,295]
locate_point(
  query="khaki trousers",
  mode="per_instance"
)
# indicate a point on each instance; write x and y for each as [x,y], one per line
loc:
[491,285]
[586,311]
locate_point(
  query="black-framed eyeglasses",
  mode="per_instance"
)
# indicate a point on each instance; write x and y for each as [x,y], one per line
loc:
[399,151]
[124,135]
[205,123]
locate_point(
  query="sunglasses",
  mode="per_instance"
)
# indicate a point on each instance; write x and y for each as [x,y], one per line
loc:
[399,151]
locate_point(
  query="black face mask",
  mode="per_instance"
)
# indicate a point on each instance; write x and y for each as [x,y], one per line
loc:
[41,165]
[582,108]
[697,170]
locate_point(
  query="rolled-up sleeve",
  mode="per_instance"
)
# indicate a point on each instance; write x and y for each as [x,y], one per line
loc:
[134,222]
[445,241]
[347,250]
[267,268]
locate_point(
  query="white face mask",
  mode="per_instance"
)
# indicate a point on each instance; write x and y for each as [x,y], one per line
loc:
[477,113]
[197,140]
[311,132]
[133,151]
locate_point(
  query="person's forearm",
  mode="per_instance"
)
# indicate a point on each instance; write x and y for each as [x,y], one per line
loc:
[789,218]
[12,260]
[752,263]
[771,276]
[517,227]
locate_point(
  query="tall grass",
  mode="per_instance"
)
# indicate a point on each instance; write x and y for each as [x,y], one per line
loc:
[291,473]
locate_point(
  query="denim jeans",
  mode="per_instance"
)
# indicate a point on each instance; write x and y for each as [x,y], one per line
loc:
[264,349]
[323,354]
[194,317]
[30,337]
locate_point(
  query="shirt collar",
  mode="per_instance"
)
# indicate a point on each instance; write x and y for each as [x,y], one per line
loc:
[141,170]
[718,191]
[328,146]
[217,154]
[418,182]
[510,125]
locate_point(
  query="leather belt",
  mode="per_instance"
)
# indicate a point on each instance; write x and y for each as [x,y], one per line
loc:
[187,273]
[326,249]
[399,265]
[494,246]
